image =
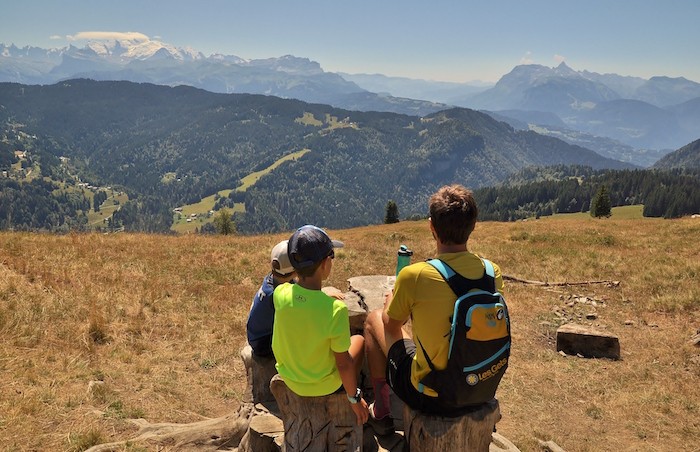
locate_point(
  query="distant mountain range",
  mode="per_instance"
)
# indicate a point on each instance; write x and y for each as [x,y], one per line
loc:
[628,118]
[155,62]
[660,113]
[178,145]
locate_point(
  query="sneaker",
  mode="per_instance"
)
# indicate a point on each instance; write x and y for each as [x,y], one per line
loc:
[383,426]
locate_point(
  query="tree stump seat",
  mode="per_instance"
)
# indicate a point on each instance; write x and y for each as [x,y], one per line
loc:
[259,371]
[470,432]
[325,423]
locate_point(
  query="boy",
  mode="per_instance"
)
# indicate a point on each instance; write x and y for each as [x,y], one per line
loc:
[311,340]
[262,310]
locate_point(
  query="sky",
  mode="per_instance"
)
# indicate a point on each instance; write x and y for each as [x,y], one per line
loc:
[446,40]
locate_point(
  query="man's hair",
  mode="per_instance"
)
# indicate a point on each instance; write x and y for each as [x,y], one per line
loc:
[453,212]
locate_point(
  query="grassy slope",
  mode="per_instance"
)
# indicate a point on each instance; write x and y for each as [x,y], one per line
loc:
[107,208]
[160,320]
[202,208]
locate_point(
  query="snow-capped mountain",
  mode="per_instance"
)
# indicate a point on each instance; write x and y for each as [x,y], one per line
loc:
[128,50]
[146,60]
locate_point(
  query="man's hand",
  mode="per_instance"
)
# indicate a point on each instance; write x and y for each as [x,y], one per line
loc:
[361,411]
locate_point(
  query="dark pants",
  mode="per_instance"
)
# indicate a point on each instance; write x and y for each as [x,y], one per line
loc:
[398,376]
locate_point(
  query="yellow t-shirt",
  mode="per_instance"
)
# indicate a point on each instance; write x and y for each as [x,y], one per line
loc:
[309,326]
[421,293]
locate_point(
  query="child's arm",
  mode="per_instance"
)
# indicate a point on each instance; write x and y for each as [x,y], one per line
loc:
[346,369]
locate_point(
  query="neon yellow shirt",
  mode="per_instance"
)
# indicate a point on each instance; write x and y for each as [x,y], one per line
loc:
[421,293]
[309,327]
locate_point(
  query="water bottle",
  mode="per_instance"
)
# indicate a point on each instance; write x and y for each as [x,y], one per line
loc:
[404,258]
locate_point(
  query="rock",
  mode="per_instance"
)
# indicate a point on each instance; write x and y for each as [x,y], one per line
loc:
[372,289]
[95,388]
[695,340]
[629,322]
[550,446]
[591,316]
[356,312]
[575,339]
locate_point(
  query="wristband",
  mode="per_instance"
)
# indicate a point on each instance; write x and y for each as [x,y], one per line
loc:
[356,398]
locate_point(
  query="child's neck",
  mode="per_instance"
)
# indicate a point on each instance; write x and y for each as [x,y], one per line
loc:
[311,282]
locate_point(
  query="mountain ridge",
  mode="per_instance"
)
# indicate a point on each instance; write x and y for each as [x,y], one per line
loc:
[132,135]
[576,97]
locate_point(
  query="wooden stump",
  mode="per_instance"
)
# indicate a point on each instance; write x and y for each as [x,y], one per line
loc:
[311,424]
[259,371]
[471,432]
[263,432]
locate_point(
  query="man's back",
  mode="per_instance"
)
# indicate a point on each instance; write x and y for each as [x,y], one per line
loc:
[422,293]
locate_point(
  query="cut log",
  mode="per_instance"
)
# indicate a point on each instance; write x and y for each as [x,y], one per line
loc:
[316,423]
[259,371]
[264,430]
[472,431]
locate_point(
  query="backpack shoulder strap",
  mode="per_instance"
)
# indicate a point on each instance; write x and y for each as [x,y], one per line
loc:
[461,285]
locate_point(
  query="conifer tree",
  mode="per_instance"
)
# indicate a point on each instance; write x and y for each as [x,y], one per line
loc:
[392,213]
[601,204]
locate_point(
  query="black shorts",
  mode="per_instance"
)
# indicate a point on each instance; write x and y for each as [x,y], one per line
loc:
[398,376]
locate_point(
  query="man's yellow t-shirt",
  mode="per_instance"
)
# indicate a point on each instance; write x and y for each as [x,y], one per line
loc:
[421,293]
[309,327]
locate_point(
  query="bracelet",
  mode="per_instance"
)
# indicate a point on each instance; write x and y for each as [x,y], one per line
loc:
[356,398]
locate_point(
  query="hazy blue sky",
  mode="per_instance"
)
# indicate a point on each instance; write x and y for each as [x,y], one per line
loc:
[460,40]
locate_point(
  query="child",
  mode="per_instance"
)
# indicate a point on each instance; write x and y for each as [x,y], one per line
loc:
[262,310]
[311,340]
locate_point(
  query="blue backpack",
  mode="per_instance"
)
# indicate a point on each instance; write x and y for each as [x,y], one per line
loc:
[479,340]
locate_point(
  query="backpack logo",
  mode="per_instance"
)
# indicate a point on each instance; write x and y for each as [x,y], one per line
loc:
[500,314]
[479,347]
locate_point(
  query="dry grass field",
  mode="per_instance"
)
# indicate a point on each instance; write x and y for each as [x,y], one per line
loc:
[160,321]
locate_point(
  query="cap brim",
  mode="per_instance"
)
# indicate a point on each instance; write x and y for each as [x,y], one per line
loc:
[337,244]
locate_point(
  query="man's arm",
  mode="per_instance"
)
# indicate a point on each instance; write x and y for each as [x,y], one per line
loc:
[346,369]
[393,330]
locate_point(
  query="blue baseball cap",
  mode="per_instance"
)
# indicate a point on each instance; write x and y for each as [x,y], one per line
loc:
[309,245]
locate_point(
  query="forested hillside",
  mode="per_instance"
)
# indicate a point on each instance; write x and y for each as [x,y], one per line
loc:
[536,192]
[686,157]
[177,145]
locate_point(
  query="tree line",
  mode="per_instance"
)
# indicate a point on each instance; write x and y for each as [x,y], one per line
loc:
[664,193]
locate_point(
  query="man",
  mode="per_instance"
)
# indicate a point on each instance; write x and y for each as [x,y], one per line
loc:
[422,294]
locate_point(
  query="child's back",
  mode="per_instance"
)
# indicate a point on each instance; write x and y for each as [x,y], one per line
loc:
[309,326]
[311,340]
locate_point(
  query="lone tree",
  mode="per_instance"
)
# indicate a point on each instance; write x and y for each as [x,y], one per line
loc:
[392,213]
[224,222]
[600,204]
